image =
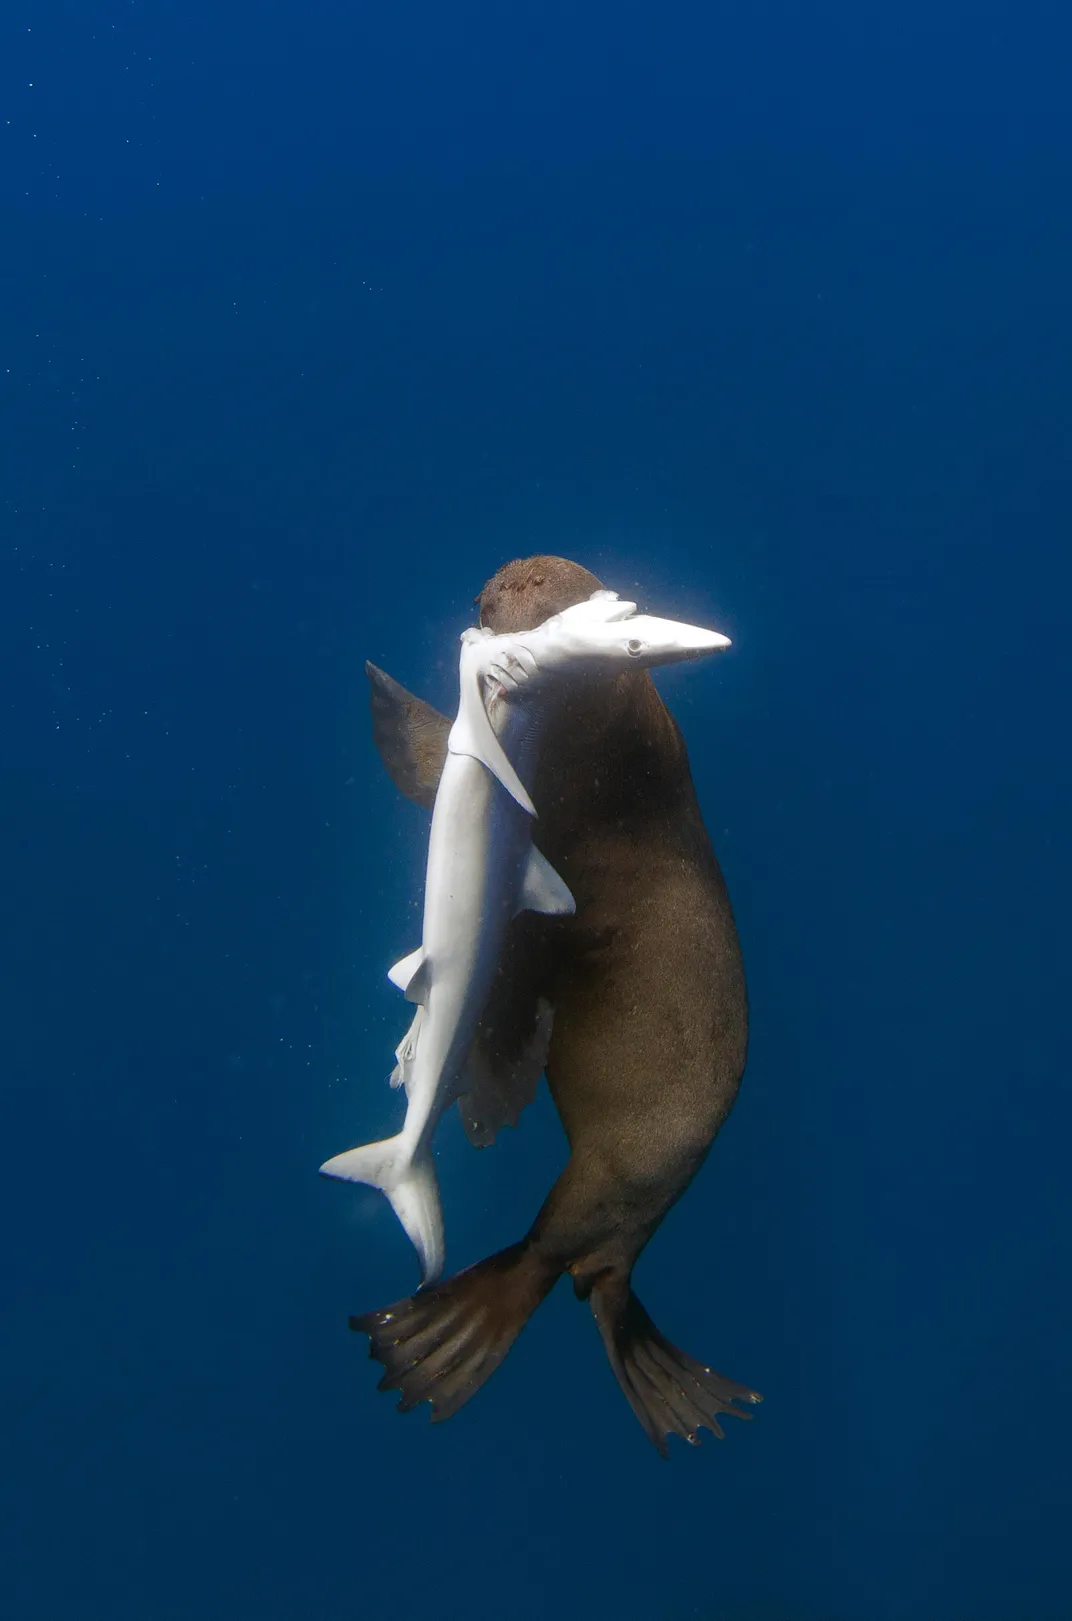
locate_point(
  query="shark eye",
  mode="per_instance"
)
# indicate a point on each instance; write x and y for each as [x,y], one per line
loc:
[633,647]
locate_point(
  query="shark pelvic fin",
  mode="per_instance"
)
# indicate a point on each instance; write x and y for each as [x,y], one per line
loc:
[406,1052]
[542,890]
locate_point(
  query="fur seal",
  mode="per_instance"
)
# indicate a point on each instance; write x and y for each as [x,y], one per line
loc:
[646,1048]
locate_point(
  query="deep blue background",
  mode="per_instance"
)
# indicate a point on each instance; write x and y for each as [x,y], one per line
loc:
[310,317]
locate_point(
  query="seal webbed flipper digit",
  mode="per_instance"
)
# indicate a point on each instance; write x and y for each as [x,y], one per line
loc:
[669,1391]
[442,1343]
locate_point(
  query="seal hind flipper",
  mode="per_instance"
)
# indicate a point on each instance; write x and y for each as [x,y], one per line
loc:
[670,1392]
[410,735]
[442,1343]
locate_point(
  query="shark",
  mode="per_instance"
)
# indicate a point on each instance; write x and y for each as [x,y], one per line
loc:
[483,868]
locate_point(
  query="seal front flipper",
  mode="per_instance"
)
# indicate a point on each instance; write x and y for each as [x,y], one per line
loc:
[410,735]
[509,1051]
[670,1392]
[496,1086]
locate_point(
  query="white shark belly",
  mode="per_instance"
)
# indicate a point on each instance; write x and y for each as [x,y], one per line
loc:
[477,855]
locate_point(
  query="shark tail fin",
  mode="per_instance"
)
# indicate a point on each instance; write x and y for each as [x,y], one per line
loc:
[670,1392]
[442,1343]
[409,1181]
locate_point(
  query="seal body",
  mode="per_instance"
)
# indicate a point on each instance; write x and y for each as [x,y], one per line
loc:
[647,1045]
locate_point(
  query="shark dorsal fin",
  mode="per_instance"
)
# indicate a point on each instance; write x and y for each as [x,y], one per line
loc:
[473,734]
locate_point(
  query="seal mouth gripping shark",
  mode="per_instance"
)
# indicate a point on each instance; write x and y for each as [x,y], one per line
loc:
[483,868]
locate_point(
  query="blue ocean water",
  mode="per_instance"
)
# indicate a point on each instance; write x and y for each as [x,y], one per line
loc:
[312,316]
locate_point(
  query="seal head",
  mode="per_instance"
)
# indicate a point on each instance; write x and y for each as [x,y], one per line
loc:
[526,592]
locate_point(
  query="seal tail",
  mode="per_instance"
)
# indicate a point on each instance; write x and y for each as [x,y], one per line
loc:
[409,1181]
[443,1342]
[670,1393]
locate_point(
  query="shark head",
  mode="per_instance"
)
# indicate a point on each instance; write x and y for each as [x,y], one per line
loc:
[604,633]
[601,636]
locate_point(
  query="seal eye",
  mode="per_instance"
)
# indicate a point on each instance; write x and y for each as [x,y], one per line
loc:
[633,647]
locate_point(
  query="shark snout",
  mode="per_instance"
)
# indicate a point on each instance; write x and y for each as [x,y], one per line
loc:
[698,640]
[666,641]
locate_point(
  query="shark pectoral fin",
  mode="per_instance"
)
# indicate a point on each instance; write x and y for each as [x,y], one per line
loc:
[410,735]
[473,734]
[542,890]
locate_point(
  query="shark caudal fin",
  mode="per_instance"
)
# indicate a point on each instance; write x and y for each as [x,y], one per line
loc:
[410,1184]
[670,1393]
[442,1343]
